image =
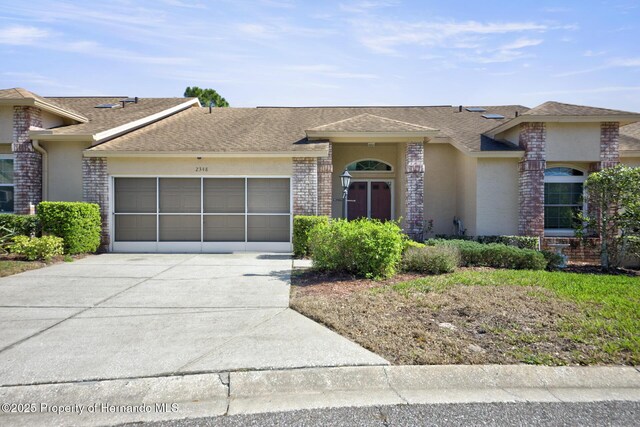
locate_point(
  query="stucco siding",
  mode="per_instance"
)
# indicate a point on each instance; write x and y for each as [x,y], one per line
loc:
[497,197]
[189,166]
[345,153]
[64,170]
[51,120]
[6,124]
[466,191]
[631,161]
[573,142]
[440,184]
[5,149]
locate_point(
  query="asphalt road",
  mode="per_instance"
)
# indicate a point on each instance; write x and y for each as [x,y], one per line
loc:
[473,414]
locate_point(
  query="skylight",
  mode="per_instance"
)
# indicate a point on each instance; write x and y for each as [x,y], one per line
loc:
[475,109]
[107,105]
[493,116]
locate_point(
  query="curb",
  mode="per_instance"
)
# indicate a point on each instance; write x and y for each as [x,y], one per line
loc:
[247,392]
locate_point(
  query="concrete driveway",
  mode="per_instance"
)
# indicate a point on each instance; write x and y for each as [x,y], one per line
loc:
[140,315]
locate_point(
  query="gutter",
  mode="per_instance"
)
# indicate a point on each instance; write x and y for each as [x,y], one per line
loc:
[45,168]
[195,154]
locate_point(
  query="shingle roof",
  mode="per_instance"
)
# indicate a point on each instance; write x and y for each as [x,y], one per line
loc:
[552,108]
[268,129]
[370,123]
[18,93]
[102,119]
[630,137]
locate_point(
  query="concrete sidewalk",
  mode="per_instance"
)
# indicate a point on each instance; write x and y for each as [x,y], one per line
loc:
[207,395]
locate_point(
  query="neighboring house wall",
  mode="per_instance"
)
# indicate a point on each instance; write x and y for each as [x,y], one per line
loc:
[64,170]
[440,183]
[573,142]
[6,124]
[466,191]
[497,197]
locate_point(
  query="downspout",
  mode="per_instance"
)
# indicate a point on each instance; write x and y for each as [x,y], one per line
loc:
[45,162]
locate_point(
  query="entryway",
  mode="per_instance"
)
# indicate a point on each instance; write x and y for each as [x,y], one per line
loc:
[370,199]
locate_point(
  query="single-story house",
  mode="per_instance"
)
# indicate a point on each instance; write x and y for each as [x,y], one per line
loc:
[170,175]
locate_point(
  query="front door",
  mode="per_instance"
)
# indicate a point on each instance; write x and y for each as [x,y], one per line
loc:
[369,199]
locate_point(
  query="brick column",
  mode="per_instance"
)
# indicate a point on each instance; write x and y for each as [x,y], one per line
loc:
[305,186]
[609,146]
[414,190]
[325,183]
[27,164]
[531,179]
[95,189]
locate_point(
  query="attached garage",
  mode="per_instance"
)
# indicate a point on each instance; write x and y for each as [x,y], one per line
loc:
[212,214]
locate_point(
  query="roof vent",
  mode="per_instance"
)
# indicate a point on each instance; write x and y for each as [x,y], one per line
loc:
[475,109]
[107,105]
[493,116]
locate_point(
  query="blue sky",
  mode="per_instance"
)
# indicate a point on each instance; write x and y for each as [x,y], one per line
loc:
[347,52]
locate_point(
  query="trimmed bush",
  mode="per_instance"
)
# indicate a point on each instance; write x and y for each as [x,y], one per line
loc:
[431,259]
[408,244]
[26,225]
[364,247]
[554,261]
[522,242]
[302,225]
[37,248]
[495,255]
[79,224]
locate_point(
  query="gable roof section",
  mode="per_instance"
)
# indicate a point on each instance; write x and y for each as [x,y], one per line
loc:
[19,96]
[552,108]
[369,123]
[630,138]
[283,129]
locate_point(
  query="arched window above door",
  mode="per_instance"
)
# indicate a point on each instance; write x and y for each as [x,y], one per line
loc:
[369,165]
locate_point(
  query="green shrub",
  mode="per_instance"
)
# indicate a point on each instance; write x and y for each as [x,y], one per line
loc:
[26,225]
[302,225]
[495,255]
[37,248]
[523,242]
[554,261]
[408,244]
[78,224]
[366,248]
[431,259]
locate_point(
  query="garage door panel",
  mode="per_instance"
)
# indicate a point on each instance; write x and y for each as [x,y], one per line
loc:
[180,195]
[136,195]
[179,228]
[268,195]
[223,195]
[224,228]
[135,228]
[268,228]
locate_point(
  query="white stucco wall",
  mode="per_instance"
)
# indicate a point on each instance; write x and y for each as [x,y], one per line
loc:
[573,142]
[6,124]
[440,185]
[466,191]
[50,120]
[497,197]
[631,161]
[64,170]
[188,166]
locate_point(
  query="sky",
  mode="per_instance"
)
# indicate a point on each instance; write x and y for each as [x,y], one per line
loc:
[345,52]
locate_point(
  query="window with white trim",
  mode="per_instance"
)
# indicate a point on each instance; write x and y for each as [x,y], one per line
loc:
[6,183]
[563,198]
[369,165]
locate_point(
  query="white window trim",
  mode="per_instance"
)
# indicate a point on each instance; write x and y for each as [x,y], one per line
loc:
[580,179]
[370,172]
[13,184]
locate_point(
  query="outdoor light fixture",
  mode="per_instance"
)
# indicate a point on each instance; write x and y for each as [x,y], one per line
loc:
[345,179]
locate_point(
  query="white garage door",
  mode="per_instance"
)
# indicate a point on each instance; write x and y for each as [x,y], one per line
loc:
[201,214]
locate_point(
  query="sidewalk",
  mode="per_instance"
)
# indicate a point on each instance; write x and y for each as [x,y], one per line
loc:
[215,394]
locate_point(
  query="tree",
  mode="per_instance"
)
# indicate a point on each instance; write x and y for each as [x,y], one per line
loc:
[206,96]
[613,213]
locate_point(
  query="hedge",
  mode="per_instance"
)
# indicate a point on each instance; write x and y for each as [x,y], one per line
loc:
[495,255]
[79,224]
[302,225]
[364,247]
[522,242]
[26,225]
[431,259]
[37,248]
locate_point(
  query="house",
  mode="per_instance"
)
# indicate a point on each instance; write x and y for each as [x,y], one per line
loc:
[170,175]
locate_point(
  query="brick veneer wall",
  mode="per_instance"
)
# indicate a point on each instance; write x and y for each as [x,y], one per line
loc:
[325,185]
[27,164]
[531,179]
[587,251]
[609,144]
[95,189]
[414,190]
[305,186]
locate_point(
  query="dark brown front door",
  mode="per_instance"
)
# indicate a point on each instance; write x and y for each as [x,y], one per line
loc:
[358,208]
[380,200]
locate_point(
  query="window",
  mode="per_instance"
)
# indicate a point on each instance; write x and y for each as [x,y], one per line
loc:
[6,184]
[369,166]
[563,198]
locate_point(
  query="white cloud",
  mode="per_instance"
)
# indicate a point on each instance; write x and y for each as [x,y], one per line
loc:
[604,89]
[366,5]
[611,63]
[22,35]
[521,44]
[329,71]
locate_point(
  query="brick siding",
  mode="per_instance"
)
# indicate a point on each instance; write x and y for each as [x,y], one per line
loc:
[414,190]
[578,251]
[305,186]
[531,179]
[325,185]
[27,164]
[95,189]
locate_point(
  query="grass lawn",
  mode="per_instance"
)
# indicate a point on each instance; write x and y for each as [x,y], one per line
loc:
[9,267]
[483,316]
